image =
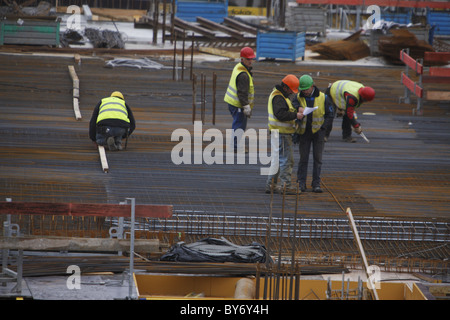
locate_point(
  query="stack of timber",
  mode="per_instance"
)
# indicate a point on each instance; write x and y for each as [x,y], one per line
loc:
[350,48]
[390,46]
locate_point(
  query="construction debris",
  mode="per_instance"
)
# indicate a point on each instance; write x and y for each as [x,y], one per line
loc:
[104,38]
[390,46]
[215,250]
[12,8]
[350,48]
[143,63]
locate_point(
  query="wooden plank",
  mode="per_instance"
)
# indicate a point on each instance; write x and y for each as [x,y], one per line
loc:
[435,79]
[240,26]
[103,160]
[438,95]
[437,56]
[370,280]
[78,244]
[439,72]
[219,52]
[412,86]
[76,109]
[85,209]
[410,62]
[72,73]
[190,26]
[216,26]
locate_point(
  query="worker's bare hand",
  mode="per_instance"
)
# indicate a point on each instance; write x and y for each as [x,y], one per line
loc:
[300,114]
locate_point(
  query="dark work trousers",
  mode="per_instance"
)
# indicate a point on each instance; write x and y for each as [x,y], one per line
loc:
[346,127]
[346,123]
[317,141]
[104,132]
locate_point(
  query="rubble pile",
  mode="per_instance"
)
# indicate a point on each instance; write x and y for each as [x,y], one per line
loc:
[390,46]
[104,38]
[350,48]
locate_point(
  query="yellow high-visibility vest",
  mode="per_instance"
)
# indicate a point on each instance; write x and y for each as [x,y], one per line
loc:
[338,89]
[283,126]
[112,108]
[231,96]
[317,116]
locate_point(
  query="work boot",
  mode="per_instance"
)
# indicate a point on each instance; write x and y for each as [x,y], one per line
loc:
[317,189]
[349,139]
[288,191]
[111,144]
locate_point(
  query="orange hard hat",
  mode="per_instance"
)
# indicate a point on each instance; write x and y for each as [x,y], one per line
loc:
[292,82]
[248,53]
[367,93]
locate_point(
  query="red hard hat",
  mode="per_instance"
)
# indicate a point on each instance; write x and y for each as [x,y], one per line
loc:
[247,52]
[367,93]
[292,82]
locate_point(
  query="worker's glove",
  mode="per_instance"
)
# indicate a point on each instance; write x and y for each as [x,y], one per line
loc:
[247,110]
[358,130]
[340,113]
[295,138]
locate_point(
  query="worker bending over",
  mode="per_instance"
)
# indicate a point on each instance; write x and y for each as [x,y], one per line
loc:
[111,121]
[347,96]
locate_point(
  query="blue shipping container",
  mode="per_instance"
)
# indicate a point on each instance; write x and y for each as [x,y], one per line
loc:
[280,45]
[441,21]
[215,11]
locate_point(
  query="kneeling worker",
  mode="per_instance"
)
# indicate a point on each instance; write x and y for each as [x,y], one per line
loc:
[111,121]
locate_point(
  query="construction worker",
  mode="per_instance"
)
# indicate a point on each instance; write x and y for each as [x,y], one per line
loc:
[311,129]
[347,96]
[282,116]
[240,92]
[111,121]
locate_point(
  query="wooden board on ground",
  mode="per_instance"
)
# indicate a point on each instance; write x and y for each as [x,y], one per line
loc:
[103,160]
[85,209]
[78,244]
[438,95]
[220,52]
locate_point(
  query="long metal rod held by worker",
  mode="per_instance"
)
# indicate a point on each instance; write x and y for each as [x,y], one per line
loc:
[364,137]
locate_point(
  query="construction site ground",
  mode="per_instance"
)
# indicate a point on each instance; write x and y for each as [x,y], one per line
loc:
[403,174]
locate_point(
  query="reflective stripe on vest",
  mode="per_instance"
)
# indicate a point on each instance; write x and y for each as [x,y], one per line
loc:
[274,123]
[338,89]
[231,96]
[318,119]
[112,108]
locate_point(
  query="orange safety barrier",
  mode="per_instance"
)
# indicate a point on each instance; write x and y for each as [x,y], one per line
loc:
[412,86]
[436,75]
